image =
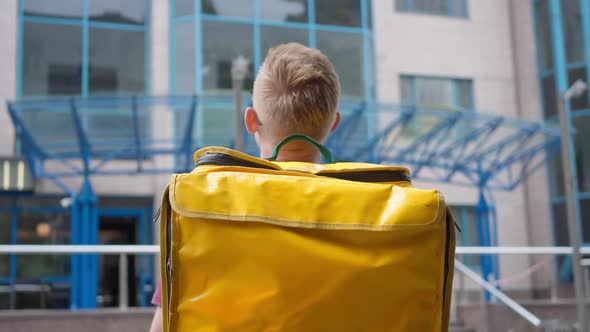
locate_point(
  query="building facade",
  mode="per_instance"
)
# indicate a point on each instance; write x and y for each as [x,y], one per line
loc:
[490,56]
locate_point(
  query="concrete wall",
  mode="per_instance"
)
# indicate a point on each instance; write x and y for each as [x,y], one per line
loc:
[8,36]
[480,48]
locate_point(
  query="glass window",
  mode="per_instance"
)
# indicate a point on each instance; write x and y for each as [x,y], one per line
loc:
[52,59]
[222,43]
[456,8]
[550,96]
[581,102]
[128,11]
[5,234]
[345,50]
[585,211]
[572,30]
[464,91]
[582,146]
[435,93]
[184,7]
[272,36]
[560,228]
[43,228]
[116,61]
[556,176]
[338,12]
[284,10]
[235,8]
[184,70]
[55,8]
[544,27]
[217,126]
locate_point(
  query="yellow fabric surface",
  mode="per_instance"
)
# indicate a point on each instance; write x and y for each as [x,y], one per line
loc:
[280,250]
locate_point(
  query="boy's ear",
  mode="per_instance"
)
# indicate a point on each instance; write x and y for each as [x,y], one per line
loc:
[251,120]
[336,122]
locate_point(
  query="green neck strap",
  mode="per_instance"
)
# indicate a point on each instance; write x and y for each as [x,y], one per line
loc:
[328,156]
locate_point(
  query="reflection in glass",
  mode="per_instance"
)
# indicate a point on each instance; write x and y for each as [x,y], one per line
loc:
[582,138]
[273,36]
[284,10]
[222,43]
[185,58]
[184,7]
[556,171]
[43,228]
[545,35]
[234,8]
[116,61]
[456,8]
[52,59]
[585,210]
[338,12]
[345,50]
[72,9]
[128,11]
[573,31]
[581,102]
[5,234]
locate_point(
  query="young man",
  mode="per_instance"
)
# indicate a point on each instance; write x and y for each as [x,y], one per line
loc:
[296,91]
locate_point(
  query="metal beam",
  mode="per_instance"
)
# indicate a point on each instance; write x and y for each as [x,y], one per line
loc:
[83,143]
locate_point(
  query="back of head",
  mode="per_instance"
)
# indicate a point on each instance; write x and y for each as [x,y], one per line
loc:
[297,90]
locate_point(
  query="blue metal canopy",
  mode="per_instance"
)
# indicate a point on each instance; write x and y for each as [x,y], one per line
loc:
[83,135]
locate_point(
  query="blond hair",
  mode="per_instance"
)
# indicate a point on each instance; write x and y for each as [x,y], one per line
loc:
[297,88]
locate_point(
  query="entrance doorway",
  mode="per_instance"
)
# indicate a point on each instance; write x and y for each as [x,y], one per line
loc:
[116,230]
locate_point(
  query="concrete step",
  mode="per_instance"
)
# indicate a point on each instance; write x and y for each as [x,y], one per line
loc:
[458,326]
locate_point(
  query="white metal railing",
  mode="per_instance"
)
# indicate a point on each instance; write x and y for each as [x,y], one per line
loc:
[124,250]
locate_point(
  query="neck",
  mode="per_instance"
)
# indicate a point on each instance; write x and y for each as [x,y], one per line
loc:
[291,152]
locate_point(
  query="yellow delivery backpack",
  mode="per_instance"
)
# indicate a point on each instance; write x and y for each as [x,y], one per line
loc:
[249,244]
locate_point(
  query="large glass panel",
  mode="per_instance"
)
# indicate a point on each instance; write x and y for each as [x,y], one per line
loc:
[464,94]
[556,176]
[52,59]
[235,8]
[582,145]
[185,74]
[581,102]
[345,50]
[560,228]
[407,90]
[128,11]
[585,210]
[116,61]
[466,217]
[273,36]
[573,31]
[338,12]
[184,7]
[222,43]
[284,10]
[549,96]
[545,37]
[439,7]
[43,228]
[54,8]
[5,234]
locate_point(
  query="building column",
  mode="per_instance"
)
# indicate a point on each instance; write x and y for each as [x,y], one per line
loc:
[8,67]
[162,117]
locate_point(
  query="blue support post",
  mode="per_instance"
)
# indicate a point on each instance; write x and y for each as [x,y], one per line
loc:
[86,202]
[485,218]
